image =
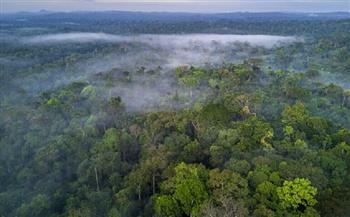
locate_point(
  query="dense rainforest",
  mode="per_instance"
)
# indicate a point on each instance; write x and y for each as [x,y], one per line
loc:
[113,127]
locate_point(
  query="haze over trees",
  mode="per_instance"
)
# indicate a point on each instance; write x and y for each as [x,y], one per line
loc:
[174,115]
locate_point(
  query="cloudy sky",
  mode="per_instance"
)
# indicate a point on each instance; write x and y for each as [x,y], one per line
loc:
[211,6]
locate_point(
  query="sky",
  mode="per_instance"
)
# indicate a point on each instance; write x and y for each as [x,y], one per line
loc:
[203,6]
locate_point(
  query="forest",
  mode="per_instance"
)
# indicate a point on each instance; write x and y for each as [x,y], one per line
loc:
[124,114]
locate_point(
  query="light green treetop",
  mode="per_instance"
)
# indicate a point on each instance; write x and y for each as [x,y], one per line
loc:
[298,192]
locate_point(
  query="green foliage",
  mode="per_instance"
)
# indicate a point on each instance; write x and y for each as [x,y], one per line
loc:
[38,206]
[295,116]
[246,132]
[227,184]
[167,206]
[53,102]
[266,196]
[297,194]
[253,134]
[189,192]
[240,166]
[190,189]
[257,177]
[89,91]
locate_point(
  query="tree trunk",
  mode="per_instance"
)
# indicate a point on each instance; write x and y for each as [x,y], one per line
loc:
[153,184]
[97,184]
[139,191]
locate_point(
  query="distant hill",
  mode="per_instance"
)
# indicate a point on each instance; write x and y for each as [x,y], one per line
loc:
[151,16]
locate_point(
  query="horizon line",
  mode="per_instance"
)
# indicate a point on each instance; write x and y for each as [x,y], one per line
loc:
[174,12]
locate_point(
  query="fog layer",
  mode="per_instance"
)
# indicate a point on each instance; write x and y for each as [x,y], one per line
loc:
[161,53]
[179,41]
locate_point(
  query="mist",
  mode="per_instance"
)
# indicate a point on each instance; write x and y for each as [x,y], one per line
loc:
[176,41]
[162,53]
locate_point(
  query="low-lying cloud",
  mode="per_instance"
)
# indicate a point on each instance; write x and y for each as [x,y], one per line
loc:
[169,50]
[163,52]
[73,38]
[178,41]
